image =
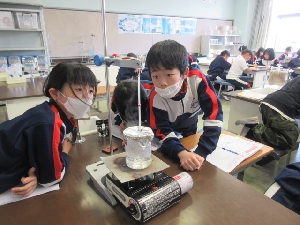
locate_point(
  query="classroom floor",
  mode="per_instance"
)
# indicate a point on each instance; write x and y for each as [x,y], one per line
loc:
[258,177]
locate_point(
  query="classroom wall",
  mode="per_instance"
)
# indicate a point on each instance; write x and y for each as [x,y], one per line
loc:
[67,28]
[217,9]
[241,11]
[243,16]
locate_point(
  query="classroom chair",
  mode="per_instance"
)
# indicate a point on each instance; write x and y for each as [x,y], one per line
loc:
[223,83]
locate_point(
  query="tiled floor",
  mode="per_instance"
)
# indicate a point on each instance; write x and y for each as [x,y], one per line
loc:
[258,177]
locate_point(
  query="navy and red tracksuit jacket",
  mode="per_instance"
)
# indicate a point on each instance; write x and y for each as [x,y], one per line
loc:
[34,139]
[179,115]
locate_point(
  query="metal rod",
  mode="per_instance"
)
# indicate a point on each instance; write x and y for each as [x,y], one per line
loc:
[107,76]
[139,99]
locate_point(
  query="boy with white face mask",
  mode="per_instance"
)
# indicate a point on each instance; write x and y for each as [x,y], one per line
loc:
[181,90]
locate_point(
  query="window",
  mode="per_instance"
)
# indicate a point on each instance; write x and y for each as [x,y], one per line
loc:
[284,27]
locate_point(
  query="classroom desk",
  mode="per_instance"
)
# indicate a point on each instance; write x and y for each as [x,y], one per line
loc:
[297,70]
[216,198]
[23,96]
[191,141]
[245,103]
[258,76]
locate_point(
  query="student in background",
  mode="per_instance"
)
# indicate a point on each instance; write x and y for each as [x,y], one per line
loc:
[259,55]
[236,70]
[243,47]
[145,76]
[268,58]
[279,110]
[175,103]
[193,62]
[288,51]
[34,146]
[127,73]
[295,62]
[219,66]
[125,103]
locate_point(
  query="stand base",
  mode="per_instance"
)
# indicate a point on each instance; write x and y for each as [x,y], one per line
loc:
[80,140]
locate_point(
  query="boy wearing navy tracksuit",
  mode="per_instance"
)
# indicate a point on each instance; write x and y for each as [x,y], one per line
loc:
[219,66]
[175,102]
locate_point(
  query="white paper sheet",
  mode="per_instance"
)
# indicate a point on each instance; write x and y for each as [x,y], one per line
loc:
[231,151]
[224,160]
[8,196]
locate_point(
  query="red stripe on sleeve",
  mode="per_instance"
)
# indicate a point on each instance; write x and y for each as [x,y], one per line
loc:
[209,91]
[55,143]
[152,116]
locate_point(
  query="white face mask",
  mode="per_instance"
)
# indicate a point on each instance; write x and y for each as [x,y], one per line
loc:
[171,91]
[77,107]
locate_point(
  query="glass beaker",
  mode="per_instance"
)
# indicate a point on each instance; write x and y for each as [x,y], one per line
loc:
[138,147]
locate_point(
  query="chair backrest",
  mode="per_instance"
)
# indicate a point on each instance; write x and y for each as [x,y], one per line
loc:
[278,77]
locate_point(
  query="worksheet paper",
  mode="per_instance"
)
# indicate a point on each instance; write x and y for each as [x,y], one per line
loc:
[8,196]
[231,151]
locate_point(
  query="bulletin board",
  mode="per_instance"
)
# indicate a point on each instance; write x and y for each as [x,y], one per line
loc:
[79,33]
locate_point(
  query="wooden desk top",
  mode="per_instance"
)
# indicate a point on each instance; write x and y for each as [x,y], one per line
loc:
[101,90]
[32,88]
[216,198]
[192,141]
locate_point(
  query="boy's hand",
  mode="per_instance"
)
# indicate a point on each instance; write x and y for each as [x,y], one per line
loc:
[29,182]
[123,126]
[190,160]
[67,145]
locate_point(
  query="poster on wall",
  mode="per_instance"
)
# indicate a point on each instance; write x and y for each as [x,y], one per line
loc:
[146,20]
[129,23]
[156,25]
[170,25]
[188,26]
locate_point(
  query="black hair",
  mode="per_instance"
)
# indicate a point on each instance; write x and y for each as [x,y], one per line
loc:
[225,52]
[245,51]
[70,73]
[261,49]
[242,47]
[130,54]
[168,54]
[126,100]
[271,53]
[289,48]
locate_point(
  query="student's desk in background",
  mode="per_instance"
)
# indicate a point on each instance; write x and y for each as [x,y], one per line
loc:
[216,198]
[245,103]
[297,70]
[102,93]
[258,76]
[191,141]
[23,96]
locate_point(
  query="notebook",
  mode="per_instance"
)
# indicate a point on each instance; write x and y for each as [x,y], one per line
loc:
[231,151]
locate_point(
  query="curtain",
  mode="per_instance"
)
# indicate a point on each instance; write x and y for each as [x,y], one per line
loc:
[261,24]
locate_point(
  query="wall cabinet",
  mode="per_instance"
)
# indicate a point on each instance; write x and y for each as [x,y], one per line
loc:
[212,45]
[25,37]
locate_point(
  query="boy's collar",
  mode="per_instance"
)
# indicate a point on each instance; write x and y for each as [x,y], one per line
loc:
[183,89]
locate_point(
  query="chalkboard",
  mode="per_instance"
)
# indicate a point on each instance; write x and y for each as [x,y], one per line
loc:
[70,33]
